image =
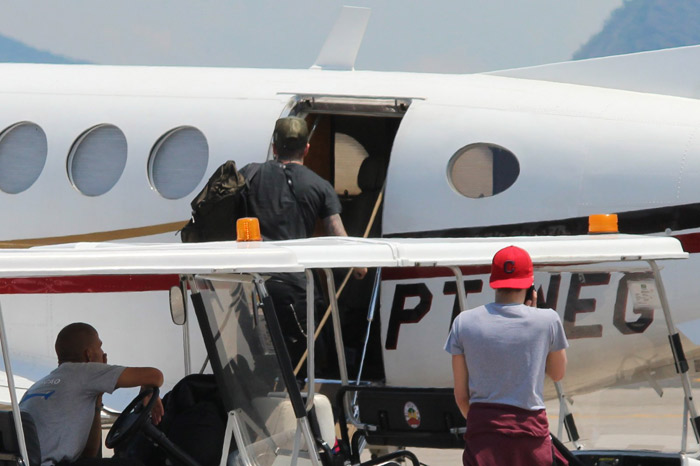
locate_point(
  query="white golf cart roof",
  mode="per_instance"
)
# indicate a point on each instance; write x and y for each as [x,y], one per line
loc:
[329,252]
[90,260]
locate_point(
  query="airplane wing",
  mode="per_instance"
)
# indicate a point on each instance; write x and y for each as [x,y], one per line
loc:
[674,72]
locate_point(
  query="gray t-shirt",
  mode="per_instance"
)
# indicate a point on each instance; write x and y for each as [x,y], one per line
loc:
[506,348]
[63,406]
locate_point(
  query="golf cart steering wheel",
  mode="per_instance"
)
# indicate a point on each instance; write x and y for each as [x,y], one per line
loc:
[132,418]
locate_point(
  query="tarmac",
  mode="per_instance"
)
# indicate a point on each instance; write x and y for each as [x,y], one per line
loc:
[618,418]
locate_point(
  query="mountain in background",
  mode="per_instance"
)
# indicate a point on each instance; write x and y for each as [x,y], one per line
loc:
[641,25]
[12,51]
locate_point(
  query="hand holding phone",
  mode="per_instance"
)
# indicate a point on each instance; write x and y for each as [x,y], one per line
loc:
[530,296]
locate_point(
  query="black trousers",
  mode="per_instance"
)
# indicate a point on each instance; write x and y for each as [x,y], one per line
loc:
[288,295]
[289,299]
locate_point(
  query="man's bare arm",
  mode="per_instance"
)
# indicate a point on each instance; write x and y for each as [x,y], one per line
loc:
[140,377]
[461,379]
[93,446]
[333,225]
[556,365]
[144,377]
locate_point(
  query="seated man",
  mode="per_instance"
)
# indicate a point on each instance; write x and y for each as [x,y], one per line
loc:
[66,404]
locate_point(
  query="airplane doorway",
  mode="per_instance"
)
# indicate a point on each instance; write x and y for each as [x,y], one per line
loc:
[350,146]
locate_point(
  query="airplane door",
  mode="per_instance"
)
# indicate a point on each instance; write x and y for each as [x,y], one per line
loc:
[350,147]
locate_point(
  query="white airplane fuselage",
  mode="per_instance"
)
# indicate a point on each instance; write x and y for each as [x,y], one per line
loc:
[579,151]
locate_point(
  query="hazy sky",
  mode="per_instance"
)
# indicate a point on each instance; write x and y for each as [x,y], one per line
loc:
[428,35]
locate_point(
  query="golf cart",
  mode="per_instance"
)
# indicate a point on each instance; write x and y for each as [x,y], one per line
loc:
[269,420]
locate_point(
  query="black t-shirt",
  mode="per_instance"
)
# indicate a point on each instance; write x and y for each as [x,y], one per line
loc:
[286,213]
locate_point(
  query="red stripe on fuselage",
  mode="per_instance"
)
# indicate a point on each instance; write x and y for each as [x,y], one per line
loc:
[88,284]
[407,273]
[136,283]
[690,242]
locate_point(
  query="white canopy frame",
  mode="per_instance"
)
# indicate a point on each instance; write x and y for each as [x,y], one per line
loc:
[679,358]
[548,253]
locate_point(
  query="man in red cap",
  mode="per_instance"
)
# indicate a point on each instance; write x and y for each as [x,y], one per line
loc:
[500,355]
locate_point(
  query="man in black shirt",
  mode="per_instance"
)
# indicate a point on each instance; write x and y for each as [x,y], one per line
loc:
[288,198]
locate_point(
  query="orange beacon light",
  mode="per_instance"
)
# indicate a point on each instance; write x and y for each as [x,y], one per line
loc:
[248,229]
[602,223]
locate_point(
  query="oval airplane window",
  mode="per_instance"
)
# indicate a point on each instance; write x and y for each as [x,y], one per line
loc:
[178,162]
[23,151]
[482,170]
[97,159]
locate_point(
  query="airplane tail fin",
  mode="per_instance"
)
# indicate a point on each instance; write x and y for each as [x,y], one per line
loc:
[674,72]
[341,47]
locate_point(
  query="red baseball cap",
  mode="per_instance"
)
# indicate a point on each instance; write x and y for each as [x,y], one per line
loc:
[512,268]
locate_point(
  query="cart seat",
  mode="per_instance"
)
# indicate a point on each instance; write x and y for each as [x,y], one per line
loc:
[279,417]
[10,453]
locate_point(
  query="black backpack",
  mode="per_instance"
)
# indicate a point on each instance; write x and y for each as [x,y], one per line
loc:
[218,205]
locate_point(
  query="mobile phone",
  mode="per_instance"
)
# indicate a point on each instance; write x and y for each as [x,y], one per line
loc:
[530,294]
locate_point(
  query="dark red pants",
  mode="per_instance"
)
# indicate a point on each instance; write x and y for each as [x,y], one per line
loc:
[503,435]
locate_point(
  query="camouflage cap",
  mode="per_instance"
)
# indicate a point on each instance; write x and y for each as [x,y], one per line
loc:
[291,133]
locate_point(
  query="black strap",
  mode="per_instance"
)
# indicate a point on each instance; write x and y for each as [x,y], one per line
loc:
[248,172]
[251,172]
[290,184]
